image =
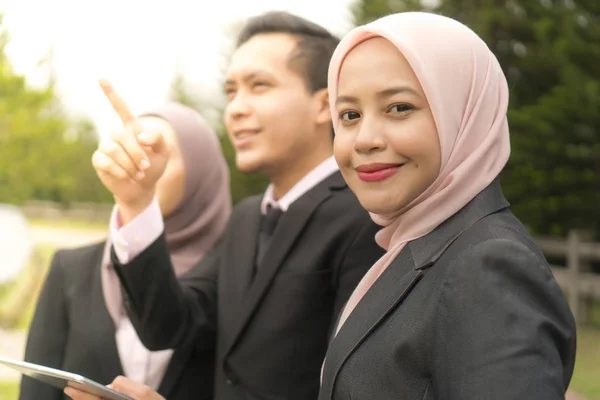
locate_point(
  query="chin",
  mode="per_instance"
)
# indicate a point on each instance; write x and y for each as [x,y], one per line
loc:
[375,208]
[248,165]
[369,204]
[377,204]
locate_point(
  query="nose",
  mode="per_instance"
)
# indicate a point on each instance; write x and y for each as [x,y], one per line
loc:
[369,138]
[237,107]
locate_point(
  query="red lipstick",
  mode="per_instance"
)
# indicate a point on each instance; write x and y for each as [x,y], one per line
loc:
[376,172]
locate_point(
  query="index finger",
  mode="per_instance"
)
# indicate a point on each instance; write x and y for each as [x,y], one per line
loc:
[117,102]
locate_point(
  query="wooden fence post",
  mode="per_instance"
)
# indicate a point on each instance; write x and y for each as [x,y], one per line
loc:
[573,265]
[578,265]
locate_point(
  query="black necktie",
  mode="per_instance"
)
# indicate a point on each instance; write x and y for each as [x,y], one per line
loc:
[267,227]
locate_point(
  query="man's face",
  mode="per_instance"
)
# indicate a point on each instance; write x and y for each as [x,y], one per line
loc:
[271,117]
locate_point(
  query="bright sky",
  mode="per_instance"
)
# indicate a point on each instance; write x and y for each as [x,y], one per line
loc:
[137,44]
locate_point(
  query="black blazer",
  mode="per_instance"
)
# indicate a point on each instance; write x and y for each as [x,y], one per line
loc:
[470,311]
[272,332]
[72,330]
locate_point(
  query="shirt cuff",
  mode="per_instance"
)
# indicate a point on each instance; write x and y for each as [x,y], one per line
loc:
[135,237]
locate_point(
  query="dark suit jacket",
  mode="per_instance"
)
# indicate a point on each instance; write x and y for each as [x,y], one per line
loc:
[272,332]
[72,330]
[469,312]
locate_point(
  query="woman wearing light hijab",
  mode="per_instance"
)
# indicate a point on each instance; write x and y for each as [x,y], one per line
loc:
[463,305]
[80,324]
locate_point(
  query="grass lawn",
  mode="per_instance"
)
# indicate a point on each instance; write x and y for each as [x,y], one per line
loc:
[586,379]
[9,391]
[18,298]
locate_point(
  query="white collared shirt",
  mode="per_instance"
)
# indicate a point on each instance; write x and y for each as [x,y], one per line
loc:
[309,181]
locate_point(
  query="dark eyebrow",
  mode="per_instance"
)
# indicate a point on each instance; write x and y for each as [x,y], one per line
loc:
[248,77]
[396,90]
[384,93]
[346,99]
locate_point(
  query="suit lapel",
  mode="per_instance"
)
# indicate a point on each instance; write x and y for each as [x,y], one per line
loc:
[106,350]
[238,254]
[177,364]
[383,297]
[285,236]
[397,281]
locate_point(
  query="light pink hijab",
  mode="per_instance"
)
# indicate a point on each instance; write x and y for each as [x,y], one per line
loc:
[468,96]
[193,228]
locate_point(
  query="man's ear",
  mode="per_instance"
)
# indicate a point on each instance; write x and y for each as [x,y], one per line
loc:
[323,111]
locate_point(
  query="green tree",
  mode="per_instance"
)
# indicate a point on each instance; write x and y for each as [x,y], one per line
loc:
[550,52]
[44,154]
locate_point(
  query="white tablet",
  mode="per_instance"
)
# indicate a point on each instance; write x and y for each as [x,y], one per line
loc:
[61,379]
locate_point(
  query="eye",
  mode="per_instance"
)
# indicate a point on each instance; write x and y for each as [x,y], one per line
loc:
[349,115]
[400,108]
[229,92]
[259,85]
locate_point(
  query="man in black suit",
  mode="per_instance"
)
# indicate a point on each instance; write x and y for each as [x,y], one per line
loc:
[268,295]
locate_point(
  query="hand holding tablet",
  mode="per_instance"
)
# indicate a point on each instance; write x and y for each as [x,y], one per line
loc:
[82,388]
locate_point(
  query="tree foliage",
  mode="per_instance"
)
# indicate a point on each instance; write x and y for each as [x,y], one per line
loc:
[44,154]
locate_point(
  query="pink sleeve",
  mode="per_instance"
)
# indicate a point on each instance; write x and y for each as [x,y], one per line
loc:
[133,238]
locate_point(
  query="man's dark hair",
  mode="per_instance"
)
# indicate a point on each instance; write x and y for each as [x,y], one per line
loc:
[314,49]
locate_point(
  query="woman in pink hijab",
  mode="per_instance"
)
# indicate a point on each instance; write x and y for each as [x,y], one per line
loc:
[80,324]
[463,305]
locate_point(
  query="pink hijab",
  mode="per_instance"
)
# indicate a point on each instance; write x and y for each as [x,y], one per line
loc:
[468,95]
[193,228]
